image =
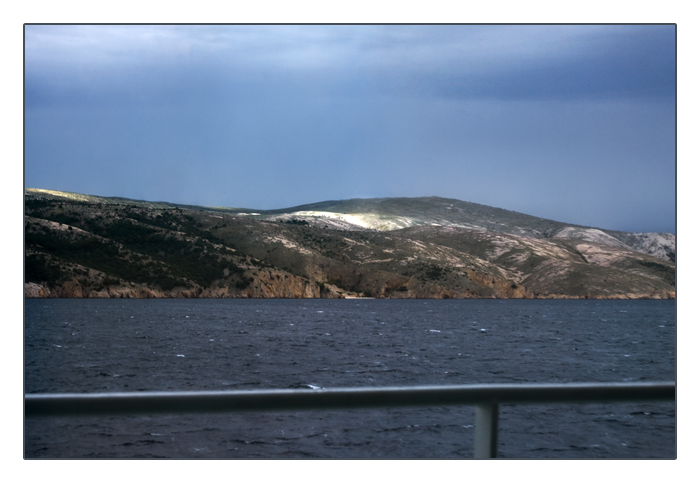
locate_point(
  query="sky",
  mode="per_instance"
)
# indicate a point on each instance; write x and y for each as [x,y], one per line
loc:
[575,123]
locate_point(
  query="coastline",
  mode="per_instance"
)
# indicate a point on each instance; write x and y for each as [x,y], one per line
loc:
[37,291]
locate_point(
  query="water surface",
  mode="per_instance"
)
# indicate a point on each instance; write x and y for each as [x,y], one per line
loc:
[160,345]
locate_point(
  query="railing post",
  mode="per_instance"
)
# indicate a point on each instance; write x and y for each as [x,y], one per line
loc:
[486,431]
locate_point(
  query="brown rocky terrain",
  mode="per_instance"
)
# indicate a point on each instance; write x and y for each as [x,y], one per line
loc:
[86,246]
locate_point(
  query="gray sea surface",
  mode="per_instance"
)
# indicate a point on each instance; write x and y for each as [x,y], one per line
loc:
[91,345]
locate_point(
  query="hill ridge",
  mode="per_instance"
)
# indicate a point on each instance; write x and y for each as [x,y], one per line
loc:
[83,245]
[303,207]
[382,214]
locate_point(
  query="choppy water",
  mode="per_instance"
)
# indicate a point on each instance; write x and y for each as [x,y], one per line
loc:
[160,345]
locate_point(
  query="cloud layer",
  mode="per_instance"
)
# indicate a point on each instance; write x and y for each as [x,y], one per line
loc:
[575,123]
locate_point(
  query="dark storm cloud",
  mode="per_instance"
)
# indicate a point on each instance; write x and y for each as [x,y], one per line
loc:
[628,61]
[503,62]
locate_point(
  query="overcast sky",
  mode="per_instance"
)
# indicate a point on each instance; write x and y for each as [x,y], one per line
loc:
[572,123]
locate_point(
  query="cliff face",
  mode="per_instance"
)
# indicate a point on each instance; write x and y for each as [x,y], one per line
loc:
[98,248]
[263,287]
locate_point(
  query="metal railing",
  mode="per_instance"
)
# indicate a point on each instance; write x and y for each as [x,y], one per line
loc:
[485,397]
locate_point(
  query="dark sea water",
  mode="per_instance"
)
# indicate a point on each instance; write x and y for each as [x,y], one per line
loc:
[181,345]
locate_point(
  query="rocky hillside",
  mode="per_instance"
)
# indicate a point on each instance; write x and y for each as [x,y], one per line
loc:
[87,246]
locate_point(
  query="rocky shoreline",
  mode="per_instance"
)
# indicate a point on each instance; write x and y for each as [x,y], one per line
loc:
[73,290]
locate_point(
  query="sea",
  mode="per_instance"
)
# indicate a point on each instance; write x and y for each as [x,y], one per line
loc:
[92,345]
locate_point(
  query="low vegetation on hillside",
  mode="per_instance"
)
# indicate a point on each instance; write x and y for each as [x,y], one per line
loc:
[83,246]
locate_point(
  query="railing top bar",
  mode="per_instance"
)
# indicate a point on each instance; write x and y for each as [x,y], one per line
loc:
[340,398]
[465,388]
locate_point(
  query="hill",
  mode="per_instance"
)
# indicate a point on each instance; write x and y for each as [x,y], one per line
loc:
[88,246]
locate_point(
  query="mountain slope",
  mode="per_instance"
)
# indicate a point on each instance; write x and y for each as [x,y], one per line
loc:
[78,245]
[387,214]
